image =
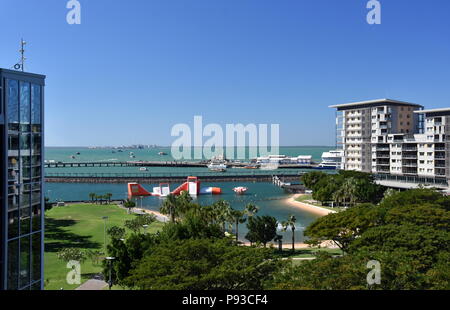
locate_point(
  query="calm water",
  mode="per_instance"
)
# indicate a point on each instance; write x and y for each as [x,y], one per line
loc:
[105,155]
[269,198]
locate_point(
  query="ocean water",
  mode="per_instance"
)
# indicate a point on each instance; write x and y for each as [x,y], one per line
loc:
[107,155]
[269,198]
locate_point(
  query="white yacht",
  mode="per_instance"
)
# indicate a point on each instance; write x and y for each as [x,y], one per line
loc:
[219,167]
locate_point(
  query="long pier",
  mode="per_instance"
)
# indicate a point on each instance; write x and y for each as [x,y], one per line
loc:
[124,164]
[254,176]
[147,164]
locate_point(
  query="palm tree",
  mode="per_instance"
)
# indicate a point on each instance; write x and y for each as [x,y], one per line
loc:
[251,209]
[290,223]
[222,212]
[98,199]
[170,207]
[347,192]
[108,197]
[92,196]
[238,217]
[184,203]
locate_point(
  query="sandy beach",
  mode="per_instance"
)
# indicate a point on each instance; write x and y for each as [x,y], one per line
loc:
[307,207]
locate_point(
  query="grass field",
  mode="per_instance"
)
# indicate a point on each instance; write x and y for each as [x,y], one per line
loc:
[78,226]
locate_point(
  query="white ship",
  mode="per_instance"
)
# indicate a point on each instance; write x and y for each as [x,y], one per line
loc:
[332,160]
[219,167]
[285,160]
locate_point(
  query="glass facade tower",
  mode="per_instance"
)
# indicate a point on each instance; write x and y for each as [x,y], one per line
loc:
[21,173]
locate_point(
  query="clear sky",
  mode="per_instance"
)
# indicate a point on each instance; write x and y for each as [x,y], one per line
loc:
[135,68]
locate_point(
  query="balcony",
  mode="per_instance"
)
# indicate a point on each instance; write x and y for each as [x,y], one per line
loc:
[410,149]
[409,156]
[382,156]
[440,172]
[410,172]
[383,170]
[410,165]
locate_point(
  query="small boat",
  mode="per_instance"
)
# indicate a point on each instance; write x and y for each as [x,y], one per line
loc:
[217,167]
[252,167]
[72,157]
[143,169]
[132,156]
[78,153]
[240,190]
[162,154]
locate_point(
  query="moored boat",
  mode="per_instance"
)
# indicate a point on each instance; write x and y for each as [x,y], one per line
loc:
[240,190]
[217,167]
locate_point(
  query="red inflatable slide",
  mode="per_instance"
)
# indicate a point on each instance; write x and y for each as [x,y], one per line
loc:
[192,186]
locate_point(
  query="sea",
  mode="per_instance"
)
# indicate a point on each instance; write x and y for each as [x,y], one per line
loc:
[270,199]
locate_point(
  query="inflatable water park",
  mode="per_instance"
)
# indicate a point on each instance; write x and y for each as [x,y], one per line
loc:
[192,186]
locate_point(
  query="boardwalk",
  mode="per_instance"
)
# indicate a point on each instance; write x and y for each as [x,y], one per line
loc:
[146,164]
[260,176]
[92,285]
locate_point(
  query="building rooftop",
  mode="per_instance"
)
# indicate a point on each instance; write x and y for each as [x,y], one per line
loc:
[376,101]
[21,73]
[433,110]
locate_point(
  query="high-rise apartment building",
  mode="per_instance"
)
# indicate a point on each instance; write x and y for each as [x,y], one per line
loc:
[21,176]
[395,140]
[360,124]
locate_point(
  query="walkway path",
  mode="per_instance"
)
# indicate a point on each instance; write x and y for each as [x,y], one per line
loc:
[92,285]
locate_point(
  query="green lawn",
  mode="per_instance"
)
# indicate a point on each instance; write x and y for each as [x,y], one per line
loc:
[304,199]
[79,226]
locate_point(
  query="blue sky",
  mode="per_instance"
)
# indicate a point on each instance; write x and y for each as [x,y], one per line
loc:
[135,68]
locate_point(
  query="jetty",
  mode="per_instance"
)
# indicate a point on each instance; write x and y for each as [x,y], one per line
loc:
[280,181]
[147,164]
[162,177]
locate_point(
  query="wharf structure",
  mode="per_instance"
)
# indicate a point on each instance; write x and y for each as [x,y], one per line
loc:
[399,142]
